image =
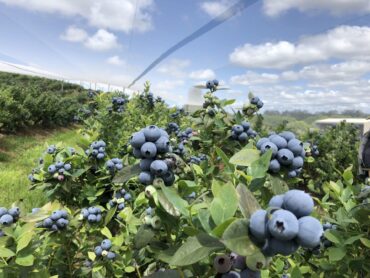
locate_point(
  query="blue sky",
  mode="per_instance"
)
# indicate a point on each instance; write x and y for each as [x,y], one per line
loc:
[303,54]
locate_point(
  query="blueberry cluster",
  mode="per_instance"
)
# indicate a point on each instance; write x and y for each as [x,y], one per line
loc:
[51,149]
[289,225]
[149,144]
[233,266]
[178,112]
[59,167]
[103,250]
[90,93]
[242,132]
[257,102]
[115,164]
[118,104]
[97,149]
[119,199]
[315,150]
[92,214]
[287,151]
[212,85]
[173,127]
[198,159]
[58,220]
[183,137]
[8,217]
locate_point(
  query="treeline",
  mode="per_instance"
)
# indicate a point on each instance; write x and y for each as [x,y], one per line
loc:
[303,114]
[27,101]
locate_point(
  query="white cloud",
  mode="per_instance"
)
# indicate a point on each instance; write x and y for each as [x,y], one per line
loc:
[253,78]
[174,68]
[276,7]
[170,90]
[102,40]
[343,42]
[215,8]
[205,74]
[115,60]
[168,84]
[114,14]
[74,34]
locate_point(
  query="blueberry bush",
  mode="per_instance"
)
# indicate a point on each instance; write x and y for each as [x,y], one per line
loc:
[152,191]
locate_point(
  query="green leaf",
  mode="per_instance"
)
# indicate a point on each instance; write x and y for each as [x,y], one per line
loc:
[167,205]
[278,185]
[245,157]
[170,273]
[365,242]
[236,238]
[336,254]
[256,261]
[110,215]
[105,231]
[129,269]
[333,236]
[143,237]
[6,253]
[91,255]
[25,260]
[195,249]
[225,203]
[127,173]
[296,273]
[259,167]
[225,159]
[204,218]
[24,240]
[352,239]
[220,229]
[247,202]
[173,196]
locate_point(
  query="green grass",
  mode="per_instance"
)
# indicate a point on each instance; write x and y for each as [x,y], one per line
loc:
[19,154]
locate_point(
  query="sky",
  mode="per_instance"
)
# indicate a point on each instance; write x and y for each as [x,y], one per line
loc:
[294,54]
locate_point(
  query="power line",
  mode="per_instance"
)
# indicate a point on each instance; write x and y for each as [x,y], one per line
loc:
[233,10]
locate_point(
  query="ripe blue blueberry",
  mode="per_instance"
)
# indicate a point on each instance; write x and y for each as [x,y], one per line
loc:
[119,166]
[152,133]
[295,146]
[121,206]
[67,166]
[243,137]
[85,213]
[127,197]
[98,217]
[146,178]
[285,157]
[310,232]
[274,166]
[215,82]
[292,174]
[101,143]
[288,135]
[164,133]
[56,215]
[137,139]
[255,100]
[62,223]
[101,150]
[100,156]
[259,104]
[283,225]
[251,133]
[148,150]
[145,164]
[297,162]
[168,178]
[98,251]
[158,167]
[47,223]
[257,225]
[248,273]
[61,171]
[231,274]
[136,152]
[95,152]
[298,202]
[277,201]
[91,218]
[6,219]
[269,146]
[50,150]
[275,246]
[14,212]
[222,264]
[54,227]
[3,211]
[239,262]
[110,165]
[261,142]
[93,210]
[279,141]
[106,244]
[162,144]
[111,255]
[246,125]
[59,164]
[52,169]
[210,84]
[238,129]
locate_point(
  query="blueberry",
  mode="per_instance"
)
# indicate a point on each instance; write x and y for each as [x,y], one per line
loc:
[95,145]
[295,146]
[231,274]
[277,201]
[111,255]
[136,153]
[6,219]
[168,178]
[284,247]
[164,133]
[210,84]
[67,167]
[98,217]
[292,174]
[54,227]
[148,150]
[279,141]
[61,171]
[298,202]
[47,223]
[101,149]
[127,197]
[106,244]
[62,223]
[101,143]
[145,164]
[3,211]
[222,264]
[59,164]
[121,206]
[100,156]
[238,129]
[259,104]
[215,82]
[14,212]
[146,178]
[246,125]
[119,166]
[257,225]
[243,137]
[297,162]
[85,213]
[57,214]
[254,100]
[91,218]
[93,210]
[274,166]
[50,150]
[98,250]
[327,226]
[283,225]
[110,165]
[137,139]
[162,144]
[285,157]
[269,146]
[117,161]
[158,167]
[149,211]
[64,214]
[310,232]
[248,273]
[239,262]
[52,169]
[261,142]
[94,152]
[251,133]
[152,133]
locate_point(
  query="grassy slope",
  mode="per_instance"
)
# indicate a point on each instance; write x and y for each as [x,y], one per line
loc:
[18,156]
